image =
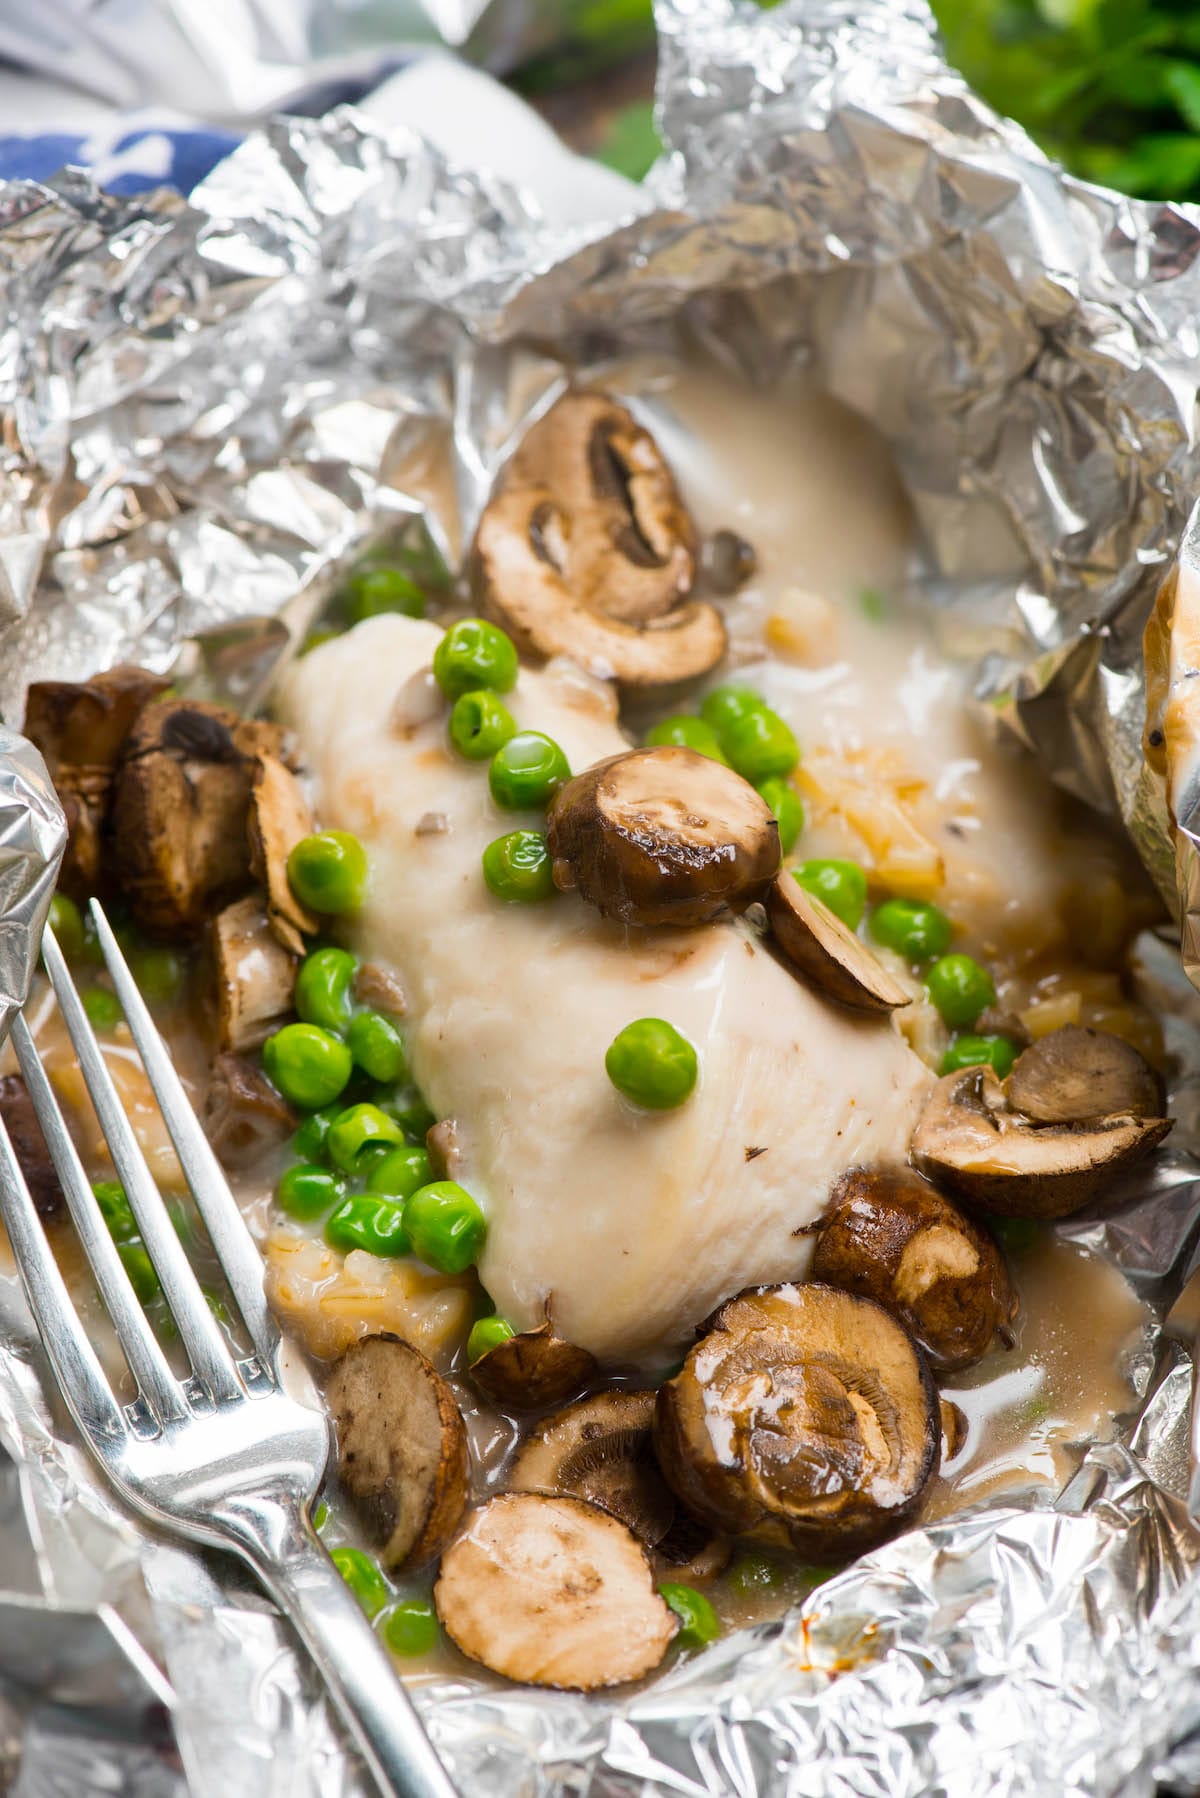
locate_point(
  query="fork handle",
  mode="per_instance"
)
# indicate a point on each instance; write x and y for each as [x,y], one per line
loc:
[356,1668]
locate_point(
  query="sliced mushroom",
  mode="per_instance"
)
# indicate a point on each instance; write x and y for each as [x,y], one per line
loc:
[889,1236]
[29,1145]
[553,1592]
[244,1116]
[600,1449]
[663,836]
[1072,1074]
[690,1551]
[378,987]
[441,1145]
[727,562]
[970,1141]
[805,1416]
[632,541]
[255,975]
[180,810]
[80,728]
[533,1369]
[825,951]
[954,1429]
[278,816]
[402,1448]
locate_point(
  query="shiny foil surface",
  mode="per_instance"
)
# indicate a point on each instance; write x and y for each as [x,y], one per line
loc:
[210,408]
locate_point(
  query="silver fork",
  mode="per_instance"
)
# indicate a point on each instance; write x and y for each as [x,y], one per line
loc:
[225,1457]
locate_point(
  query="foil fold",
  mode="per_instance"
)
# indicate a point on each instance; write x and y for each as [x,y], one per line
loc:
[211,409]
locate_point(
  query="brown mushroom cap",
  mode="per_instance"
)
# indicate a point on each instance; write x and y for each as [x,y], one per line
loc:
[807,1416]
[890,1236]
[818,945]
[80,728]
[525,575]
[600,1449]
[244,1115]
[29,1145]
[632,540]
[663,836]
[533,1369]
[1072,1074]
[255,976]
[970,1141]
[552,1592]
[279,815]
[402,1448]
[180,811]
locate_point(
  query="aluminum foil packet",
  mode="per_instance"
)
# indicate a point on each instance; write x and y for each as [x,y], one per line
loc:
[209,409]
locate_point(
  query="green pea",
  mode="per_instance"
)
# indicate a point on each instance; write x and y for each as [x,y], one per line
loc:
[363,1578]
[912,927]
[652,1064]
[487,1333]
[753,1572]
[115,1209]
[371,1221]
[873,605]
[320,633]
[138,1265]
[310,1140]
[788,808]
[102,1007]
[527,771]
[306,1191]
[66,921]
[686,732]
[320,1516]
[414,1118]
[159,972]
[324,992]
[411,1627]
[308,1065]
[328,871]
[997,1052]
[445,1226]
[759,745]
[724,705]
[480,724]
[518,868]
[698,1622]
[357,1128]
[842,886]
[960,989]
[473,654]
[377,1047]
[383,589]
[1018,1234]
[399,1172]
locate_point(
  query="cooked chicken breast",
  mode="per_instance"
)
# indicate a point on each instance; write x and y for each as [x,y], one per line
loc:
[627,1227]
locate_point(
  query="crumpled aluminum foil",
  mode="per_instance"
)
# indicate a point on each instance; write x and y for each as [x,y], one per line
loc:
[210,408]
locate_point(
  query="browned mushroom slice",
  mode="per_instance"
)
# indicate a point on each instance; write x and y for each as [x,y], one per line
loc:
[806,1416]
[600,1449]
[533,1369]
[889,1236]
[442,1147]
[279,815]
[402,1448]
[690,1551]
[379,988]
[970,1141]
[727,562]
[631,537]
[821,948]
[1073,1074]
[552,1592]
[29,1145]
[180,810]
[80,728]
[663,836]
[527,575]
[255,976]
[244,1116]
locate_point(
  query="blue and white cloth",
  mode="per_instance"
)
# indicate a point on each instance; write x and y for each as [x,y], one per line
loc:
[125,156]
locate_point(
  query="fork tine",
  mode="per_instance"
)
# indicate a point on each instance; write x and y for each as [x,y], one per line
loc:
[147,1362]
[202,1337]
[223,1220]
[72,1356]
